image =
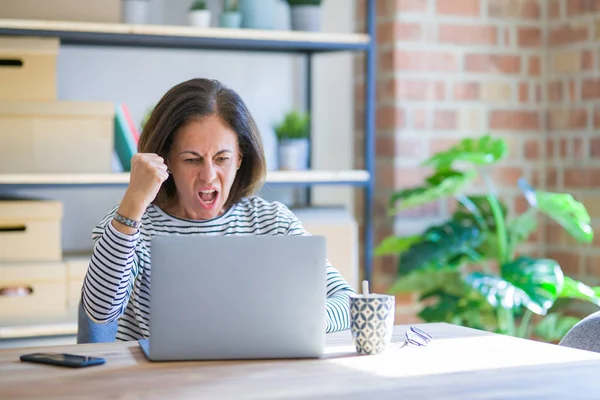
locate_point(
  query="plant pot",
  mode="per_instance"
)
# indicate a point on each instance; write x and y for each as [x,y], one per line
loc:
[258,14]
[135,11]
[293,154]
[199,18]
[230,19]
[306,18]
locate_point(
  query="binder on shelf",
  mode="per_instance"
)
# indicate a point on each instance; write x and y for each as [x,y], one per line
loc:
[125,142]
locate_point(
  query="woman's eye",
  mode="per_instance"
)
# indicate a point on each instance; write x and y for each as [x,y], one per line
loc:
[191,160]
[222,159]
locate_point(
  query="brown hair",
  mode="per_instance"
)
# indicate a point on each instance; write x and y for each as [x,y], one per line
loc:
[199,98]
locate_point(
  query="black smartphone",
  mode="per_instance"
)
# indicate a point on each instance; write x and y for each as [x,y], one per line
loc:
[62,359]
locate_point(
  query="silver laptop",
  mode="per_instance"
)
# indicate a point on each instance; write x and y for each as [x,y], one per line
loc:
[236,297]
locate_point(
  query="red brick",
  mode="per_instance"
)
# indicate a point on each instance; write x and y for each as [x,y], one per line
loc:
[535,66]
[408,177]
[523,92]
[445,119]
[391,146]
[590,88]
[581,177]
[386,60]
[552,178]
[555,92]
[392,31]
[403,6]
[507,175]
[592,266]
[587,60]
[434,61]
[529,37]
[595,148]
[597,117]
[554,8]
[469,8]
[514,120]
[578,147]
[468,34]
[553,233]
[561,119]
[564,148]
[389,118]
[532,149]
[577,7]
[384,8]
[420,90]
[522,9]
[466,91]
[420,119]
[572,90]
[493,63]
[567,34]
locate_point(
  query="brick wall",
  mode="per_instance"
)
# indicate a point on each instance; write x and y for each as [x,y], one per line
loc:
[573,142]
[523,69]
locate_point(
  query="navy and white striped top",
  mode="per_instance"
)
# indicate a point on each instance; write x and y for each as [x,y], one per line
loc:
[117,281]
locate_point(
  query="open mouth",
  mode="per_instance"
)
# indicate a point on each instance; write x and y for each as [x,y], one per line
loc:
[207,196]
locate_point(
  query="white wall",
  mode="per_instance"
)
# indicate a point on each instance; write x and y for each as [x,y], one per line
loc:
[269,83]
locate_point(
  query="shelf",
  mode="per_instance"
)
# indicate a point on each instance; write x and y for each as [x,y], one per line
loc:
[185,37]
[19,332]
[313,177]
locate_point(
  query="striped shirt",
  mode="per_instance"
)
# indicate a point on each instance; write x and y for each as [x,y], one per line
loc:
[117,282]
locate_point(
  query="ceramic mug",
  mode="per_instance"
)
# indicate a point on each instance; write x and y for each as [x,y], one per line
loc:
[372,322]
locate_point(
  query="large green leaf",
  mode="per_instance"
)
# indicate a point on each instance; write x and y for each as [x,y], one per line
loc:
[541,279]
[497,291]
[395,244]
[438,186]
[462,310]
[441,247]
[563,209]
[577,290]
[480,151]
[553,327]
[472,206]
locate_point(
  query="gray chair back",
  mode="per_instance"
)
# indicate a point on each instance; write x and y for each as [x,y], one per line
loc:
[585,335]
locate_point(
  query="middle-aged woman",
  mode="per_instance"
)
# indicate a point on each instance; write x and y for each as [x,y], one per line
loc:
[199,165]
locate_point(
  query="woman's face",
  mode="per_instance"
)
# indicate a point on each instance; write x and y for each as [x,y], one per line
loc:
[203,160]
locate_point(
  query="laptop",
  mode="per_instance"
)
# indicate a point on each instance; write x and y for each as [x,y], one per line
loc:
[236,297]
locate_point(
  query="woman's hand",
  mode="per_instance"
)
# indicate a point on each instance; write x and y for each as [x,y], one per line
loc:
[148,172]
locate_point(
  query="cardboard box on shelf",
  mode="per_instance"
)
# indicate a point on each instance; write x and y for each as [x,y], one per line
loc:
[341,232]
[56,137]
[32,293]
[30,230]
[62,10]
[28,68]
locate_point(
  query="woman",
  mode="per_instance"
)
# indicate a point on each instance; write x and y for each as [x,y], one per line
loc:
[199,163]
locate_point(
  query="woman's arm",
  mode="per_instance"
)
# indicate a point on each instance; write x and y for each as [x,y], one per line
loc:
[337,306]
[111,272]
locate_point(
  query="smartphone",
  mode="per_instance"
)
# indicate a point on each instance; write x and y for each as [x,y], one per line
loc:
[62,359]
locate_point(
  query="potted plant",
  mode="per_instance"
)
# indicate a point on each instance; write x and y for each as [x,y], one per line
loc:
[199,15]
[135,11]
[305,15]
[230,16]
[469,270]
[292,135]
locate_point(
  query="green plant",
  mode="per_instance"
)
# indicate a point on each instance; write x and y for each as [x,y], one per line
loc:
[294,126]
[230,6]
[293,3]
[198,5]
[468,269]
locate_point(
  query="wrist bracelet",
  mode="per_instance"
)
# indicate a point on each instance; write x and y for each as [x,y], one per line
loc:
[126,221]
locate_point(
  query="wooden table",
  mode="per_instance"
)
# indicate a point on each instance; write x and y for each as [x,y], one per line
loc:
[460,363]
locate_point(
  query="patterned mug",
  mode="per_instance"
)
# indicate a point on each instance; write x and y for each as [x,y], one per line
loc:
[372,322]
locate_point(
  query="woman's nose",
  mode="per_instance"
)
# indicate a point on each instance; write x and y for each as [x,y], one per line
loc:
[208,172]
